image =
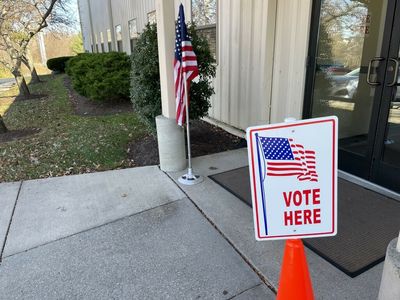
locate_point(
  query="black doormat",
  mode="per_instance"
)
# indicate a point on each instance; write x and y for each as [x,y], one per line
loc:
[367,222]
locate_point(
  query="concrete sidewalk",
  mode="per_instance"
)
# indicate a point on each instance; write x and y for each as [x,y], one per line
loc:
[138,234]
[234,220]
[126,234]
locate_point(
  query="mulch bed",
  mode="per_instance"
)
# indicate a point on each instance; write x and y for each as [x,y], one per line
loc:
[205,139]
[13,135]
[86,107]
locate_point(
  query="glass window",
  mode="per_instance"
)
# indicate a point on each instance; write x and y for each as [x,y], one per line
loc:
[118,32]
[204,12]
[119,46]
[133,32]
[151,17]
[204,15]
[96,42]
[109,40]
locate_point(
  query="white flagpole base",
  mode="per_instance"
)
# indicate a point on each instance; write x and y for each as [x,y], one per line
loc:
[190,179]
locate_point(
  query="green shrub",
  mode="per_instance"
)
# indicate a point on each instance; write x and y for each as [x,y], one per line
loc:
[145,76]
[100,76]
[58,63]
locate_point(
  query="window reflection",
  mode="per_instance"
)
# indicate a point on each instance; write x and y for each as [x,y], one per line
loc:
[350,34]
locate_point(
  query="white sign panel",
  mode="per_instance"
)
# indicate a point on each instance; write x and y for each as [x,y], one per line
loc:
[293,175]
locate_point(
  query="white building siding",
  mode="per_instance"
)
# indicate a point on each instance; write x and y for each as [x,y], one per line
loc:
[122,11]
[245,53]
[125,10]
[101,20]
[261,48]
[291,50]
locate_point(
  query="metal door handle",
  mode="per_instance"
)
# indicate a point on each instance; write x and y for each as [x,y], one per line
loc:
[396,71]
[369,70]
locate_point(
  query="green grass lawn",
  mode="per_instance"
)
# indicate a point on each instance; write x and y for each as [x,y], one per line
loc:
[67,143]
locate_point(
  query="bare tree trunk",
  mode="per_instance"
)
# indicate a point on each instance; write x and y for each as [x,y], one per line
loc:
[3,128]
[35,76]
[31,67]
[22,86]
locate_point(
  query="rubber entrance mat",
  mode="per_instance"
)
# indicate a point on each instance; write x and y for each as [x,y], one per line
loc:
[367,222]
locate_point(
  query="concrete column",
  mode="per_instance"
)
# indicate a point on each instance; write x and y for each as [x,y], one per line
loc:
[171,145]
[170,136]
[166,46]
[390,284]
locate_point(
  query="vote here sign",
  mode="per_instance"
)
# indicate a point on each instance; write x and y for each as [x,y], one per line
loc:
[293,174]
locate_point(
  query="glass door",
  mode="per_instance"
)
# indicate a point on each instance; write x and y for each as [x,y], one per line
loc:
[347,75]
[386,156]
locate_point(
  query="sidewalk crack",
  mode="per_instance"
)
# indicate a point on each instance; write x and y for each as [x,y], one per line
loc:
[244,291]
[9,224]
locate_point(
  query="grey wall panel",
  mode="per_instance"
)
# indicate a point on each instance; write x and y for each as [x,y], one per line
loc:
[101,19]
[85,23]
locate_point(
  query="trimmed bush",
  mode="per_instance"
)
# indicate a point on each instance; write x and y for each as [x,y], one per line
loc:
[100,76]
[145,76]
[57,64]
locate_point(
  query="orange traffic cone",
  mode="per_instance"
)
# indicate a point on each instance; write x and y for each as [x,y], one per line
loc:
[295,282]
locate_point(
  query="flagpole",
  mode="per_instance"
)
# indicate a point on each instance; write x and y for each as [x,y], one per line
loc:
[189,178]
[190,173]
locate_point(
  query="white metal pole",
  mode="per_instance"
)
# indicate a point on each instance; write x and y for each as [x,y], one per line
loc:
[189,178]
[190,174]
[398,243]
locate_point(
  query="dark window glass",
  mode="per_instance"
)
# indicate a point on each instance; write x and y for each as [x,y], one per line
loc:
[133,44]
[119,46]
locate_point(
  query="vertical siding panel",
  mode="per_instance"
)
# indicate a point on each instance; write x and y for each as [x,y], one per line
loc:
[234,62]
[244,71]
[291,46]
[267,39]
[224,63]
[256,81]
[246,41]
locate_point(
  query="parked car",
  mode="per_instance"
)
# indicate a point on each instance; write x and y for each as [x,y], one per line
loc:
[344,85]
[337,70]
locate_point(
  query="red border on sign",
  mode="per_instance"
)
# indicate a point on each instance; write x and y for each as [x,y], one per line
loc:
[333,176]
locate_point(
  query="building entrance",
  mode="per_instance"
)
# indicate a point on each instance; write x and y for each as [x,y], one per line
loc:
[353,73]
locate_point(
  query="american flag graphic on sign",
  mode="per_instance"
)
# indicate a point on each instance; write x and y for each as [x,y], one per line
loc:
[185,66]
[286,158]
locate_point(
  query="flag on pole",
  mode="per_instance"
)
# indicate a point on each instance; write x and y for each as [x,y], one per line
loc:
[284,157]
[185,66]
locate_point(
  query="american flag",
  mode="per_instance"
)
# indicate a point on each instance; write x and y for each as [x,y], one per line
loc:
[286,158]
[185,66]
